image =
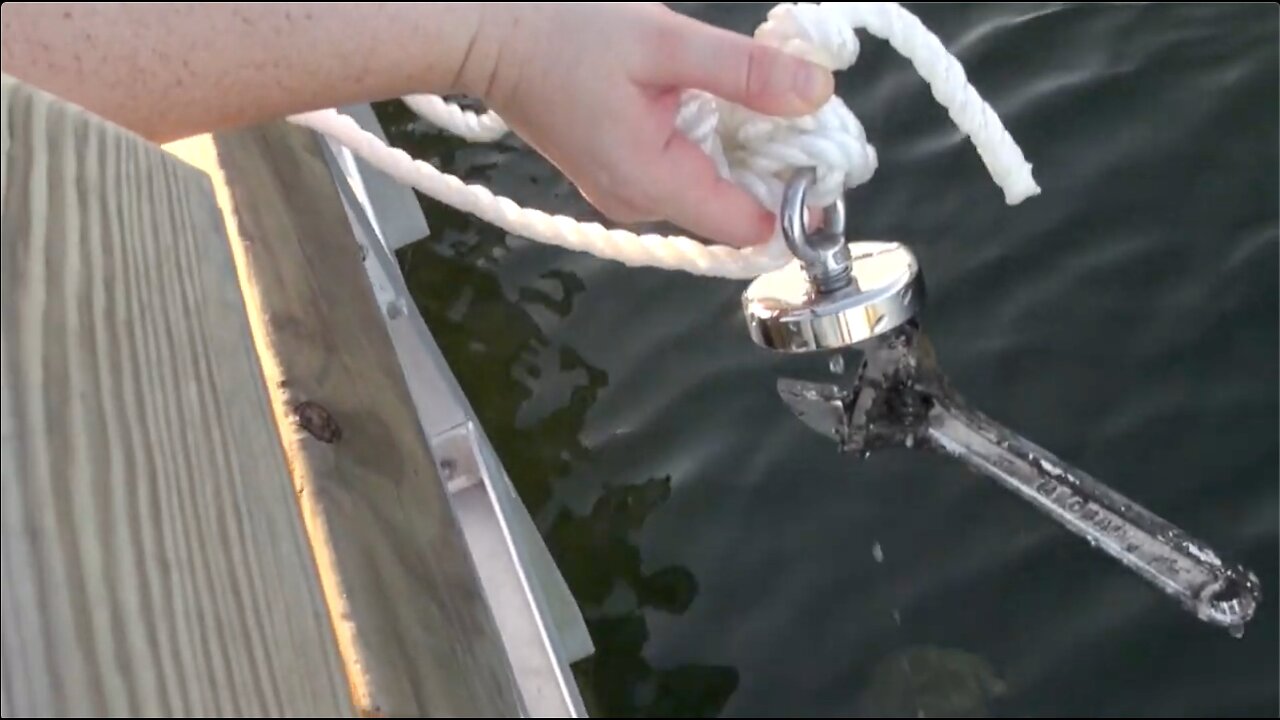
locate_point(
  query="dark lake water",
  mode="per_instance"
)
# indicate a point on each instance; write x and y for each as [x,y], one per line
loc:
[730,563]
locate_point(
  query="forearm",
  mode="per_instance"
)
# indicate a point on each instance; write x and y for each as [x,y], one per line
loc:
[172,70]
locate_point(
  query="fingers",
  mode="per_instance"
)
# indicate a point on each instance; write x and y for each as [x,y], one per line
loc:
[659,174]
[694,196]
[691,54]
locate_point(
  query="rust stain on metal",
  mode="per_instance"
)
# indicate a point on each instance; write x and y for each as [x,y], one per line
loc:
[317,421]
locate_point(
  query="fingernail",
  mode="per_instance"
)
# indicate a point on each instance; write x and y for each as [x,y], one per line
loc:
[813,84]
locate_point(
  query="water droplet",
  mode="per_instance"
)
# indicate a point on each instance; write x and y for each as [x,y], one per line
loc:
[909,441]
[897,618]
[877,552]
[1237,631]
[837,364]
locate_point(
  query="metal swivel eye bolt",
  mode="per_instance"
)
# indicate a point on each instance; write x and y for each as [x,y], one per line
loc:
[825,255]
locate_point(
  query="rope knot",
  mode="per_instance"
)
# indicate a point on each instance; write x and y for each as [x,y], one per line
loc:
[809,31]
[760,152]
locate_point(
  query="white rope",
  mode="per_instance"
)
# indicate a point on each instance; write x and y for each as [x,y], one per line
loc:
[463,123]
[755,151]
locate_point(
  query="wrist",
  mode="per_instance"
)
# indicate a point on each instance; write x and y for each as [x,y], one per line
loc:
[479,66]
[504,45]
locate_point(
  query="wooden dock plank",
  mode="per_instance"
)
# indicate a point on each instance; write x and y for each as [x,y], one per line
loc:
[154,557]
[415,630]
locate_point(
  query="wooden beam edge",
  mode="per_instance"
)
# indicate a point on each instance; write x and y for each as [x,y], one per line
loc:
[201,153]
[381,683]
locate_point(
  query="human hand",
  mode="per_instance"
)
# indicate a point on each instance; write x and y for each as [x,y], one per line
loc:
[595,89]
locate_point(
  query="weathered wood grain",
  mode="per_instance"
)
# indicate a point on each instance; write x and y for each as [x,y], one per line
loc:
[154,558]
[416,632]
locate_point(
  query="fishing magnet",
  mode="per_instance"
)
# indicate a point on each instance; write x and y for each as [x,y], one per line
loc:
[834,294]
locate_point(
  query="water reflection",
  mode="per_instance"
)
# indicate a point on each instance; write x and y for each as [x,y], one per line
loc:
[504,361]
[604,568]
[931,682]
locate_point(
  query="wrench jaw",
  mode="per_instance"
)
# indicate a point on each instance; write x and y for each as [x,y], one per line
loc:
[823,407]
[886,406]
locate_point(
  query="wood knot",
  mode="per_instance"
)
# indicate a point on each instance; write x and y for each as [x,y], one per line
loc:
[317,421]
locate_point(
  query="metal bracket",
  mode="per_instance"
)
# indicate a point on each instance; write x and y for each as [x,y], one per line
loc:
[494,536]
[457,455]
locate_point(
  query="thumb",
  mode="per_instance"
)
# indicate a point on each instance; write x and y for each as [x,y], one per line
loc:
[743,70]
